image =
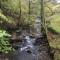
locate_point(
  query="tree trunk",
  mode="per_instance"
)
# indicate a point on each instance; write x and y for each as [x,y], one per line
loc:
[46,54]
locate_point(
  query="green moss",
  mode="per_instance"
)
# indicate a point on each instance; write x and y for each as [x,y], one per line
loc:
[55,43]
[55,22]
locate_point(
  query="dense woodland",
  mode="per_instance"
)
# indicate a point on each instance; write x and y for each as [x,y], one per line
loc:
[18,14]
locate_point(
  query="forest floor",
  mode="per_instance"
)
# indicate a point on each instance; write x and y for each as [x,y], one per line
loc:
[54,41]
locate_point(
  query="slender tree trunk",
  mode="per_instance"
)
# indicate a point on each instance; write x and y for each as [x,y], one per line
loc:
[19,20]
[29,12]
[46,54]
[42,18]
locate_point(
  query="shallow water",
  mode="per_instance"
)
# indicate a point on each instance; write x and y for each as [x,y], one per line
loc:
[29,51]
[33,48]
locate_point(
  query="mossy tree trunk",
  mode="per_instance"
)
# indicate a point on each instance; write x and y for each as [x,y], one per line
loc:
[47,55]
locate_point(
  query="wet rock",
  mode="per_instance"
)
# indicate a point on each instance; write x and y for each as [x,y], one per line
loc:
[32,50]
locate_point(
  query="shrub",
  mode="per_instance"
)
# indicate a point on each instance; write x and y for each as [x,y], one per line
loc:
[5,46]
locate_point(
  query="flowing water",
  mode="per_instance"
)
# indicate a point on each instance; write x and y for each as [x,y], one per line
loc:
[37,25]
[27,50]
[33,48]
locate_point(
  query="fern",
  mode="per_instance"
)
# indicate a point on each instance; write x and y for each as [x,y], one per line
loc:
[5,46]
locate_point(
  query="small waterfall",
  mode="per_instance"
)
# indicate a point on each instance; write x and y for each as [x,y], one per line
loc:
[37,25]
[28,43]
[33,48]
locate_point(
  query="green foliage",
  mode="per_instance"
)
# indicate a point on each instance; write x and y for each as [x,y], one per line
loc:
[52,15]
[55,43]
[10,9]
[5,46]
[55,22]
[6,20]
[14,6]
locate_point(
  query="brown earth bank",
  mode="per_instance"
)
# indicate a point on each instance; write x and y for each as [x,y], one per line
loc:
[54,41]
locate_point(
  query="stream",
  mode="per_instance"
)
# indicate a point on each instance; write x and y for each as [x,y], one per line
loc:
[33,48]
